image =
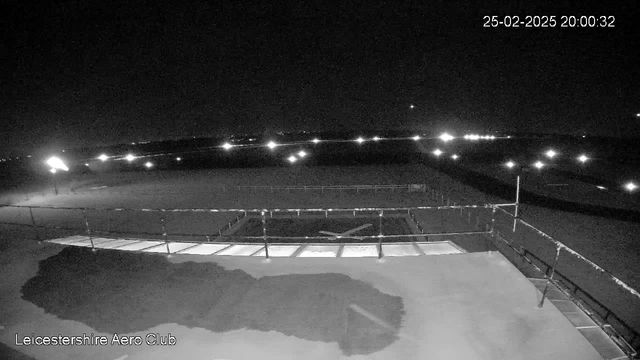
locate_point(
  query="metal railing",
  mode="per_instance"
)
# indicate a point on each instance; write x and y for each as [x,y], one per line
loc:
[488,223]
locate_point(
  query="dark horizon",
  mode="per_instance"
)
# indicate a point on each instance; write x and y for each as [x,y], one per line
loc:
[92,73]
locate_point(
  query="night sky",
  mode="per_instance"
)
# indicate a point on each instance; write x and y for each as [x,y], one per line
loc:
[90,72]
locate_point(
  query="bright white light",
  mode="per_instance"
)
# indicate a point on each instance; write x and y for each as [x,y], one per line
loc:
[437,152]
[492,137]
[56,163]
[416,138]
[129,157]
[53,171]
[454,157]
[148,164]
[411,106]
[302,153]
[583,158]
[551,154]
[315,141]
[538,164]
[375,138]
[272,145]
[178,159]
[86,164]
[227,146]
[510,164]
[360,140]
[601,187]
[630,186]
[103,157]
[292,159]
[446,137]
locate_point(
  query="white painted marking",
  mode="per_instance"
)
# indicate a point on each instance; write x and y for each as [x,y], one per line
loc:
[346,234]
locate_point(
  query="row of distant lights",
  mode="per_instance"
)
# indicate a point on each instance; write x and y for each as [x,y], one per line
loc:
[629,186]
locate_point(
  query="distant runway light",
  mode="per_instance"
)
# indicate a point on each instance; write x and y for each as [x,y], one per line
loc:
[178,159]
[53,171]
[86,164]
[148,164]
[129,157]
[315,141]
[416,138]
[227,146]
[601,187]
[272,145]
[302,153]
[583,158]
[360,140]
[437,152]
[103,157]
[510,164]
[292,159]
[375,138]
[551,154]
[454,157]
[538,164]
[57,163]
[630,186]
[411,106]
[446,137]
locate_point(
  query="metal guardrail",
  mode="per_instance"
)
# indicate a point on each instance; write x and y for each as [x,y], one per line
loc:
[626,342]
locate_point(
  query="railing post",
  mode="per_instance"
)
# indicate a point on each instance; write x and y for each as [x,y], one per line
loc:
[515,218]
[264,236]
[380,237]
[550,277]
[493,219]
[86,223]
[164,234]
[33,223]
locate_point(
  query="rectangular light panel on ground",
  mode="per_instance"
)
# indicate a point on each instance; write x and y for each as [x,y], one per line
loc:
[241,250]
[360,251]
[603,343]
[320,251]
[204,249]
[69,240]
[399,250]
[580,319]
[440,248]
[87,242]
[173,247]
[279,250]
[115,243]
[140,245]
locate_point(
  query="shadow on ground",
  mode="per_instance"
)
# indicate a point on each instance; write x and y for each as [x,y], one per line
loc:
[121,292]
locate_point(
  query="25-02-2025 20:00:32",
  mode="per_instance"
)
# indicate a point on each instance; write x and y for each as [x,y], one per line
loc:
[549,21]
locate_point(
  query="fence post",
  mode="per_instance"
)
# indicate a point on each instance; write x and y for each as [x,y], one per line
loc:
[33,224]
[264,237]
[86,223]
[164,234]
[553,271]
[469,217]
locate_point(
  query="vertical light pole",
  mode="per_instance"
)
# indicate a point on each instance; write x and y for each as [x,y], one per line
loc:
[53,179]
